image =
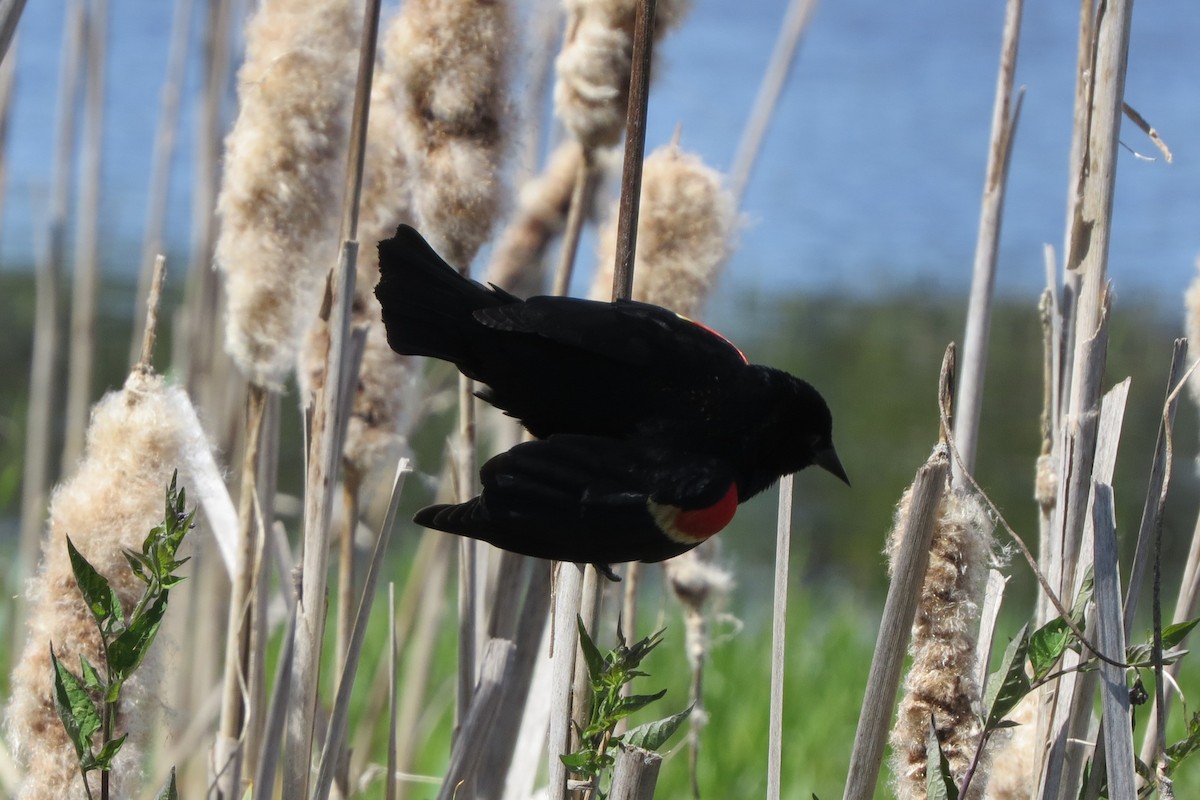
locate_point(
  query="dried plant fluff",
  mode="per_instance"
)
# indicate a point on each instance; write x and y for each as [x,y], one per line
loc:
[454,80]
[280,196]
[941,682]
[591,93]
[385,399]
[1012,757]
[542,206]
[686,226]
[135,441]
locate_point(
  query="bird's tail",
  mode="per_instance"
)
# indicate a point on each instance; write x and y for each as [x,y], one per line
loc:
[427,305]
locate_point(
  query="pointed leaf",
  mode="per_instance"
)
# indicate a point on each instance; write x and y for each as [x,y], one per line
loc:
[1046,646]
[1172,635]
[591,653]
[630,704]
[1086,591]
[654,735]
[1188,745]
[939,783]
[109,752]
[1008,684]
[168,791]
[126,652]
[101,600]
[75,708]
[91,679]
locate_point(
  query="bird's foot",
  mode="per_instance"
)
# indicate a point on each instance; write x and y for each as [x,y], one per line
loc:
[606,571]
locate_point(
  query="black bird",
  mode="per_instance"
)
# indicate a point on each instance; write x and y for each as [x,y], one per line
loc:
[651,428]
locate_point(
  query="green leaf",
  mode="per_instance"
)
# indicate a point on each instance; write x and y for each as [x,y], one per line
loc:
[591,653]
[939,783]
[1086,590]
[1173,635]
[101,600]
[1007,685]
[654,735]
[1046,646]
[168,791]
[126,652]
[91,679]
[584,762]
[108,753]
[75,709]
[630,704]
[642,648]
[1188,745]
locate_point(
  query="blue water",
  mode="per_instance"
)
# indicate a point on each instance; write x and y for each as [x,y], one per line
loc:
[870,176]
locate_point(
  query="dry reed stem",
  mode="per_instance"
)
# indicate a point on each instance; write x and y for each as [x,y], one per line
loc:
[284,162]
[495,670]
[237,708]
[783,549]
[134,443]
[81,345]
[164,149]
[567,594]
[393,672]
[915,516]
[48,275]
[795,22]
[44,357]
[339,715]
[1072,695]
[983,280]
[1117,744]
[635,774]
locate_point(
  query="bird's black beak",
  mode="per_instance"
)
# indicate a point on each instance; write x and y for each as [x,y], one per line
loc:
[828,460]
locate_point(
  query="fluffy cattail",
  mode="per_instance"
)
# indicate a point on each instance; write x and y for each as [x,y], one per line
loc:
[1011,775]
[454,79]
[941,683]
[591,95]
[135,442]
[284,171]
[686,224]
[542,206]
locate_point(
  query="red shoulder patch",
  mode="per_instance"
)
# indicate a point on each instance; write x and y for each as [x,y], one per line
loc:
[701,523]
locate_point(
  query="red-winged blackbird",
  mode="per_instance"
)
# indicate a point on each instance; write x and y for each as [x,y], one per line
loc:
[650,428]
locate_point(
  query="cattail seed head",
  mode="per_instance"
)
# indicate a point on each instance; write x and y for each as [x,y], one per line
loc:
[281,190]
[135,442]
[454,81]
[941,682]
[686,225]
[591,95]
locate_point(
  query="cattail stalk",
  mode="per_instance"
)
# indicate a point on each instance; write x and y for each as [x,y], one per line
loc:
[81,346]
[795,23]
[916,515]
[983,280]
[328,427]
[164,149]
[44,357]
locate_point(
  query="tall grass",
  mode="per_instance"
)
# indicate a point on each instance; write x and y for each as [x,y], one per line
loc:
[388,704]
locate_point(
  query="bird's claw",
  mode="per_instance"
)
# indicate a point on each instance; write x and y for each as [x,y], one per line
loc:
[606,571]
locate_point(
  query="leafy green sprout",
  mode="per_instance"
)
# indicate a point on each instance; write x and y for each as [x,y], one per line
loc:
[87,702]
[607,674]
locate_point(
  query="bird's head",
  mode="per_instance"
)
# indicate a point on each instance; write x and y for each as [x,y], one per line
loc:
[805,428]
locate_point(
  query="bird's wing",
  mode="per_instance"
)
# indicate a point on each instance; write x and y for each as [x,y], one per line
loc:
[629,332]
[590,499]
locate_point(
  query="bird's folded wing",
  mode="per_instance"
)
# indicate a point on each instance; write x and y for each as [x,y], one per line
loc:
[627,331]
